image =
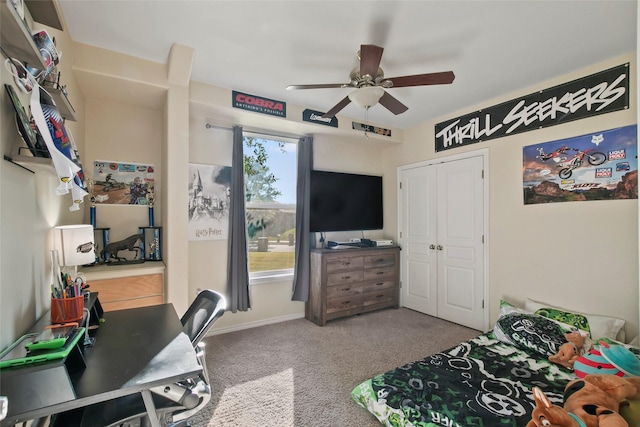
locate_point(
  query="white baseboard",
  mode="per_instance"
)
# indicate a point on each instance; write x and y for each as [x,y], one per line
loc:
[249,325]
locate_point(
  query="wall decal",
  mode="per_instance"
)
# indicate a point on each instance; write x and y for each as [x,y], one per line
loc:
[589,96]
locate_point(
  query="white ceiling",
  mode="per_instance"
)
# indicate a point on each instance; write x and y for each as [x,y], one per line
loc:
[260,47]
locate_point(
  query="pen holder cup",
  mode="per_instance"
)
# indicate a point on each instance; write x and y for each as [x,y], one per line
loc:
[65,310]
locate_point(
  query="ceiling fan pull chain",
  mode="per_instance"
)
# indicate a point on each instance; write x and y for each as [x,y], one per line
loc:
[366,121]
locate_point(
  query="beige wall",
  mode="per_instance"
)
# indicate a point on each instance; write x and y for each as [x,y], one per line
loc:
[580,255]
[270,302]
[161,122]
[29,208]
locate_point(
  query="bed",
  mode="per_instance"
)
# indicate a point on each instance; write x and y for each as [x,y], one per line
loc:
[485,381]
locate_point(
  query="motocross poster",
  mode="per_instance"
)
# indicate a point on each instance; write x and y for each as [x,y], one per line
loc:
[119,183]
[598,166]
[209,196]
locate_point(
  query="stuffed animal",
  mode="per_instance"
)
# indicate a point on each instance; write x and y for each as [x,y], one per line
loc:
[611,359]
[570,351]
[592,401]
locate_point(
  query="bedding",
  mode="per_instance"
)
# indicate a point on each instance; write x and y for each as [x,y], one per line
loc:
[597,325]
[482,382]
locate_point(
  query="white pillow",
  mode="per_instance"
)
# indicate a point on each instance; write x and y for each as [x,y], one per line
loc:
[600,326]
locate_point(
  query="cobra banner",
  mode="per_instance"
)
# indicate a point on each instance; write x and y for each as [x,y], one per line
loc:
[258,104]
[589,96]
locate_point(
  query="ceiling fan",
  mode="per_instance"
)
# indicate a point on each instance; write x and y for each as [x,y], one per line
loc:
[370,84]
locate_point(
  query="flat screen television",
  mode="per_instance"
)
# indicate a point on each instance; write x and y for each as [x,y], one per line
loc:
[345,202]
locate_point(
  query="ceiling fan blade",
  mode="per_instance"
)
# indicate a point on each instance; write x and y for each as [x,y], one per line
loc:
[392,104]
[443,78]
[339,106]
[370,56]
[319,86]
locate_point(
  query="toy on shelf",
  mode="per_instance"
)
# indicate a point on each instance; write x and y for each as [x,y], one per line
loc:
[111,250]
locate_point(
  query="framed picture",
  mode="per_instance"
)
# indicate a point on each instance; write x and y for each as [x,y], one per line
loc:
[29,135]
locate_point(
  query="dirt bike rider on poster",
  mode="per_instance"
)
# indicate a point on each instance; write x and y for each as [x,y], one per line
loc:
[553,155]
[138,191]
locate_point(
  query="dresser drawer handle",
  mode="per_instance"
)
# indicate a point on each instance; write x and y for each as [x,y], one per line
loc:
[346,277]
[379,283]
[380,260]
[380,272]
[346,302]
[345,289]
[346,263]
[380,296]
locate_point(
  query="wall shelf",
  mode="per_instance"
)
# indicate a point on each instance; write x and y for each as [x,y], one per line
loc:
[62,103]
[17,41]
[34,164]
[16,38]
[44,12]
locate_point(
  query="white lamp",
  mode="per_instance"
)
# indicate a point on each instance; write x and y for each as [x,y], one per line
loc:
[366,96]
[74,244]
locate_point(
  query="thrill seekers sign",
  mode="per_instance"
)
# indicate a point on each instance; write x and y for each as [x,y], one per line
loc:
[596,94]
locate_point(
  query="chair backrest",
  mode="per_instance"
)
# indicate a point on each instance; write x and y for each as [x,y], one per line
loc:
[202,313]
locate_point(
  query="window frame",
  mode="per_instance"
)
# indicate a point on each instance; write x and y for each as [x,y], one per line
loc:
[271,276]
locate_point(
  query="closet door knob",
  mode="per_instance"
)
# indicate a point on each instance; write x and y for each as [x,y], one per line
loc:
[432,247]
[440,247]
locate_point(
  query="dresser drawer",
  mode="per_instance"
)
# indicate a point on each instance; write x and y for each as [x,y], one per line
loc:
[132,303]
[344,277]
[344,264]
[344,303]
[378,285]
[344,290]
[128,292]
[380,273]
[380,260]
[377,297]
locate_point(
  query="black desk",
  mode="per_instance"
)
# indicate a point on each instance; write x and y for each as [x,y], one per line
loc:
[135,350]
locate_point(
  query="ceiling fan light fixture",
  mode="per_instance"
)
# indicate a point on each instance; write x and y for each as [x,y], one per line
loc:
[367,96]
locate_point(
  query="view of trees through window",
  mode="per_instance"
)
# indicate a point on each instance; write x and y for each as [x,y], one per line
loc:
[270,189]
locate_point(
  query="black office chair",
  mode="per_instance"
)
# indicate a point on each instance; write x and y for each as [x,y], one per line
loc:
[176,402]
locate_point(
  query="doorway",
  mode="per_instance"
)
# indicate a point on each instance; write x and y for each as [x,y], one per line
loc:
[443,224]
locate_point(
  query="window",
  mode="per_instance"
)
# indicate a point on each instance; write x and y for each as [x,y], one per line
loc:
[270,191]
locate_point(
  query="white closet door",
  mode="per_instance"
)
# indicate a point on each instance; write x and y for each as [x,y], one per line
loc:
[459,242]
[442,240]
[419,266]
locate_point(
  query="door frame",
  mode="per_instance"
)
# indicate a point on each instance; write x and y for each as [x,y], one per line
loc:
[484,153]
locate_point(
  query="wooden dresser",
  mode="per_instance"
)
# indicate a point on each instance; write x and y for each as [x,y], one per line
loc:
[127,286]
[344,282]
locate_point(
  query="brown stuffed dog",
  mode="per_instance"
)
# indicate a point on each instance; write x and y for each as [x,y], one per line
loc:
[592,401]
[570,351]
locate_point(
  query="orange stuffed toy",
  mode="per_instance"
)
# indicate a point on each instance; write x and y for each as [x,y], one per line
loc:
[570,351]
[592,401]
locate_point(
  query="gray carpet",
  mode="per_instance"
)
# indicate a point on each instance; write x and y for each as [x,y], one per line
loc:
[298,374]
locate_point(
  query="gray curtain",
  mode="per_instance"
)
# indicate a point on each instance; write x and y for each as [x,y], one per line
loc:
[303,237]
[238,266]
